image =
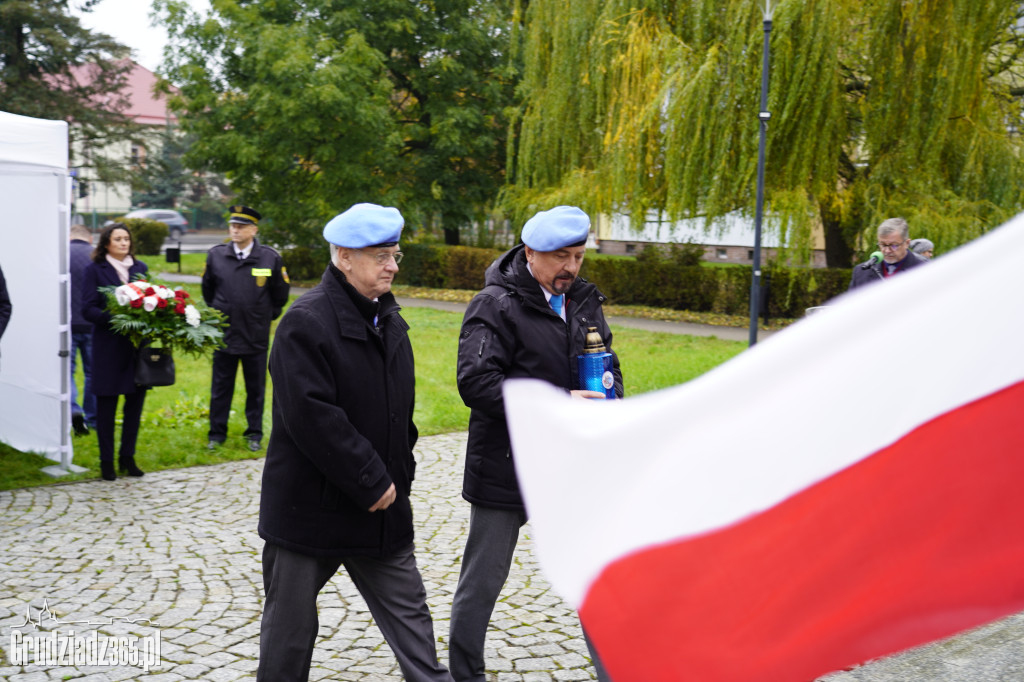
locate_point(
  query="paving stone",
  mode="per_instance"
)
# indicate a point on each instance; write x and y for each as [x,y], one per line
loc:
[224,675]
[535,664]
[180,548]
[537,676]
[193,671]
[37,676]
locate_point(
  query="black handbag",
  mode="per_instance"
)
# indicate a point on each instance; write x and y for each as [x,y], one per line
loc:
[154,367]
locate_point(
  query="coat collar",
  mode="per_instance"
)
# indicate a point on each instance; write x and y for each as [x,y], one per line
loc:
[510,271]
[351,323]
[229,252]
[137,266]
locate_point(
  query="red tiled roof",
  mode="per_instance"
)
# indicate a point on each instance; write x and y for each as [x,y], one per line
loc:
[144,107]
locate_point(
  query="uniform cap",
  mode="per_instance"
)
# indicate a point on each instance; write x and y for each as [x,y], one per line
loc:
[556,228]
[245,215]
[365,225]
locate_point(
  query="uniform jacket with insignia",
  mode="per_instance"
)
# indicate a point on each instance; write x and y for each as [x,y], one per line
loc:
[251,292]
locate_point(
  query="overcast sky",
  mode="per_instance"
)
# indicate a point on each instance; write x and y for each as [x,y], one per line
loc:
[128,22]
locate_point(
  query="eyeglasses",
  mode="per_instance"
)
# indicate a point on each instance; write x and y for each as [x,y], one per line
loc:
[383,257]
[891,247]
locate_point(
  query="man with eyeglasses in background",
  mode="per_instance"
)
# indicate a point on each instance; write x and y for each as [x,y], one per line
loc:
[339,465]
[896,256]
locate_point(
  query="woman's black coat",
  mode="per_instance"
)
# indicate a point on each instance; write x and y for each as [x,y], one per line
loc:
[113,355]
[343,429]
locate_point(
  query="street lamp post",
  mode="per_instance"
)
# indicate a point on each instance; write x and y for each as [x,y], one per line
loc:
[763,115]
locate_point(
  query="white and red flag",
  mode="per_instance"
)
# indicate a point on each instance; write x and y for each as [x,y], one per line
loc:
[851,487]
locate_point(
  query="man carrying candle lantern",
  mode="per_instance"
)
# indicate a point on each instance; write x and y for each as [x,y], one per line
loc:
[531,319]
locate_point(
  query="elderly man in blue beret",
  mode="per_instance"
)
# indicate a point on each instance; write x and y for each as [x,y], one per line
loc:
[339,465]
[530,320]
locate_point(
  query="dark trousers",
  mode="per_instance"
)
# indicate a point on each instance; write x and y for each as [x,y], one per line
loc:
[81,342]
[222,390]
[490,545]
[106,413]
[392,588]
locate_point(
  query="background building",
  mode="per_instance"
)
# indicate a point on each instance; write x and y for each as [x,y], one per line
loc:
[148,110]
[731,240]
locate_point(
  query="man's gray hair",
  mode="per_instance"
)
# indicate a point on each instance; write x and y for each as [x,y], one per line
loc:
[894,226]
[80,231]
[335,250]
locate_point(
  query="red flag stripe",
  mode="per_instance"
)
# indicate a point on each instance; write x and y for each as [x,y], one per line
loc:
[915,542]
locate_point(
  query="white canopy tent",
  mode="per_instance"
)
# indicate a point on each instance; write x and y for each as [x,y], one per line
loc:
[35,196]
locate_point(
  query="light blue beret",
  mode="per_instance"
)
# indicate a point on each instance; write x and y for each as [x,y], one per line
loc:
[556,228]
[365,225]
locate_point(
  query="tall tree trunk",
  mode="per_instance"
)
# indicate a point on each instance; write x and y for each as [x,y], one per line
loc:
[451,236]
[838,254]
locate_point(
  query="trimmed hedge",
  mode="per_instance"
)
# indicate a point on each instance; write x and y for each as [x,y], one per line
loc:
[423,266]
[662,282]
[306,264]
[790,291]
[147,235]
[445,267]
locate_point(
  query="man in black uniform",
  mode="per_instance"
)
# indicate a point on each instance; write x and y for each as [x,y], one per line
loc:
[248,283]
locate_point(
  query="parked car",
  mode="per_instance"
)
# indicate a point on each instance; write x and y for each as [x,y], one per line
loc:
[176,223]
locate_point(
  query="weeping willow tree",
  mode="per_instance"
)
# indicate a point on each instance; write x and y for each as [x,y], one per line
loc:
[879,108]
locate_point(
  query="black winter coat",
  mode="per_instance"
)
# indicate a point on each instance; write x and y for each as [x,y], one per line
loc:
[5,304]
[873,273]
[113,355]
[80,256]
[251,293]
[342,426]
[510,330]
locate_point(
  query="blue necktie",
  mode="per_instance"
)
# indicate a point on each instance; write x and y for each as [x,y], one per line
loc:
[556,305]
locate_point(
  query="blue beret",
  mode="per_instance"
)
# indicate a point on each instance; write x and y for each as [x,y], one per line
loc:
[365,225]
[557,228]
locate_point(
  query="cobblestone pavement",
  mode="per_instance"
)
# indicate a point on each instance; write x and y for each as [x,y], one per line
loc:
[180,549]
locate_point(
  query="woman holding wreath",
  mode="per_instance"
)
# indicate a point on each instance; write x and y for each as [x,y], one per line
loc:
[113,355]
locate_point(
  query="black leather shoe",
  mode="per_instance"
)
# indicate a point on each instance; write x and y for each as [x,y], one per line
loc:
[78,424]
[254,445]
[107,471]
[127,466]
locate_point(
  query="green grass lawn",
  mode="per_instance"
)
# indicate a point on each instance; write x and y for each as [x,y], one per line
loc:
[191,264]
[174,422]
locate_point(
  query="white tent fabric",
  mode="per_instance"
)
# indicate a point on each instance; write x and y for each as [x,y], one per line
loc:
[35,193]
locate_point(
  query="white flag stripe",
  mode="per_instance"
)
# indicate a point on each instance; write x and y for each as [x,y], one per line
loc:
[605,479]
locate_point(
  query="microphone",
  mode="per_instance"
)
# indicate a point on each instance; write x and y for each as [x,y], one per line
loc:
[876,257]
